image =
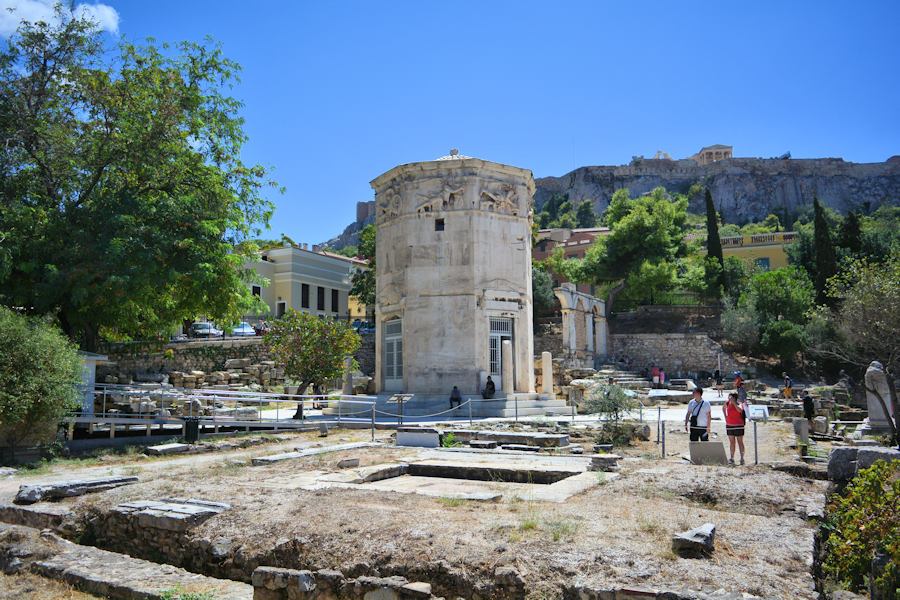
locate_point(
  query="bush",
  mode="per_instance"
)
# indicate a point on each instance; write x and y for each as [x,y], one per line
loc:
[783,339]
[609,401]
[865,521]
[39,375]
[740,326]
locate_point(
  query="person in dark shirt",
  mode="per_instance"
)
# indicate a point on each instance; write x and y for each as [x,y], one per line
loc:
[455,397]
[809,407]
[489,389]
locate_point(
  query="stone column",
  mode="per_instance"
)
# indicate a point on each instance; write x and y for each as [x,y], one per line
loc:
[570,342]
[601,333]
[507,362]
[547,373]
[348,376]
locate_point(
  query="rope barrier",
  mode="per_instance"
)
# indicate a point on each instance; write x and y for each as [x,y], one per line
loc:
[389,414]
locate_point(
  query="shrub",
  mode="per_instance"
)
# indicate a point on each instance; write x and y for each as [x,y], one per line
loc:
[741,326]
[609,401]
[863,522]
[783,339]
[39,375]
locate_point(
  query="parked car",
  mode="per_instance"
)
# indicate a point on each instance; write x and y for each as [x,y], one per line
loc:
[243,329]
[204,330]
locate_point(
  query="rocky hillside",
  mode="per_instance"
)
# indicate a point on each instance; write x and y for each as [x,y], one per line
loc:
[743,189]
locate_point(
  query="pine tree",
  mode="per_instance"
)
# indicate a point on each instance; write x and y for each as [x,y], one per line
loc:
[585,215]
[826,261]
[851,236]
[713,243]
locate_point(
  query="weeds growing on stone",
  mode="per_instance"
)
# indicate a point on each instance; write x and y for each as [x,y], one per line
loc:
[179,595]
[451,502]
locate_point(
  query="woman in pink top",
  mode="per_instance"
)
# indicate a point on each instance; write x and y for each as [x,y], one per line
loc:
[734,425]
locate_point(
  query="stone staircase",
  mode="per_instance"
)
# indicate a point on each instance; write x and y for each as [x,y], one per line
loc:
[627,379]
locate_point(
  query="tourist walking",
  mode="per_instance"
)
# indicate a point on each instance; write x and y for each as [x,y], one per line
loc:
[735,419]
[455,397]
[809,408]
[719,383]
[788,386]
[489,389]
[698,421]
[741,392]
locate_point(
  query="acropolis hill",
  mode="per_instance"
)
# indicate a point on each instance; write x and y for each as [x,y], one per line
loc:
[744,189]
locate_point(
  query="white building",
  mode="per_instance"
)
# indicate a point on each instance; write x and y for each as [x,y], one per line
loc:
[310,281]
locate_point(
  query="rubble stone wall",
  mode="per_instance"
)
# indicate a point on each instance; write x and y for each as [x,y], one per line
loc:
[677,353]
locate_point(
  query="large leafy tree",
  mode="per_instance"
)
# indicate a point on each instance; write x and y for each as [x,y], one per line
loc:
[311,349]
[125,201]
[39,373]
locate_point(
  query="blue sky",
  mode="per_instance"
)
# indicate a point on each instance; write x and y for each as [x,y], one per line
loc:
[338,92]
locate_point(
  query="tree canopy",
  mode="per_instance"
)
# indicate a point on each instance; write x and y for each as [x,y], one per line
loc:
[126,205]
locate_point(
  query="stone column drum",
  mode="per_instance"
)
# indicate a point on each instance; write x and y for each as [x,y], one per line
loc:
[453,270]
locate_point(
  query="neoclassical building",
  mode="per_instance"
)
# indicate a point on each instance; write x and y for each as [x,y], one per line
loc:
[454,276]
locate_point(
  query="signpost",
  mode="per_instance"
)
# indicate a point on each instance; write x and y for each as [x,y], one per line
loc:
[756,413]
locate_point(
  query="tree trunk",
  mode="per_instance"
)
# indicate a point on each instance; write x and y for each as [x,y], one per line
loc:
[301,389]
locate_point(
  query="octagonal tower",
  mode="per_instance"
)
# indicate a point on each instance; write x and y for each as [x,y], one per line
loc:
[453,270]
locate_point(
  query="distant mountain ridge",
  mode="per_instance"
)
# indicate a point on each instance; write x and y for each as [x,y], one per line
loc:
[743,189]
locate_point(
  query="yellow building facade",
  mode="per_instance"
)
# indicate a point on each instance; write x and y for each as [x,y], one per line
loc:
[765,251]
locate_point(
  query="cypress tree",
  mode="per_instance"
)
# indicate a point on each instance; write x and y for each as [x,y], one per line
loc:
[851,235]
[713,243]
[826,261]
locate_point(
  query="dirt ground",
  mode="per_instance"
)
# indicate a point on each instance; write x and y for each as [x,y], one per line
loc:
[617,533]
[34,587]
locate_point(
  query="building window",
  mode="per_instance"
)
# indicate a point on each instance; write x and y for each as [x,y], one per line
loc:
[762,264]
[304,295]
[320,298]
[335,306]
[257,291]
[438,224]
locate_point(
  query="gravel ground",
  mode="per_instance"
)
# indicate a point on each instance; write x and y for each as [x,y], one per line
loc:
[33,587]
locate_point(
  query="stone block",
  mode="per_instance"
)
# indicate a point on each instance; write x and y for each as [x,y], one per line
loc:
[348,463]
[697,542]
[867,456]
[164,449]
[521,447]
[29,494]
[289,584]
[707,453]
[820,425]
[483,444]
[842,463]
[801,430]
[422,437]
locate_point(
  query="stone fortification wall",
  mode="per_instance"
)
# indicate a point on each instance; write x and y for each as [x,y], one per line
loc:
[743,189]
[677,353]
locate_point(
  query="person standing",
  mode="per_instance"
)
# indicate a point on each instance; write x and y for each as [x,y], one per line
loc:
[741,392]
[719,384]
[809,408]
[735,419]
[698,421]
[788,386]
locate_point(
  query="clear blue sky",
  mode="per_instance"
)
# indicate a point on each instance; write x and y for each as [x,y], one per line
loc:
[338,92]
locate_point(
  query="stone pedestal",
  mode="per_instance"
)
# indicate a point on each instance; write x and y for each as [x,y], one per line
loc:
[547,373]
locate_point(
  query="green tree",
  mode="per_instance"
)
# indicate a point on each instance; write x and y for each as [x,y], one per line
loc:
[826,261]
[364,279]
[542,291]
[736,276]
[647,228]
[585,216]
[851,233]
[713,243]
[311,349]
[125,201]
[782,294]
[39,375]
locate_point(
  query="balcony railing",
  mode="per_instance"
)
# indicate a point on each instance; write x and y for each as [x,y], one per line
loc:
[759,239]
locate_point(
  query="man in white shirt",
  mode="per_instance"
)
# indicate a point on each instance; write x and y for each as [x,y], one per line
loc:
[698,418]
